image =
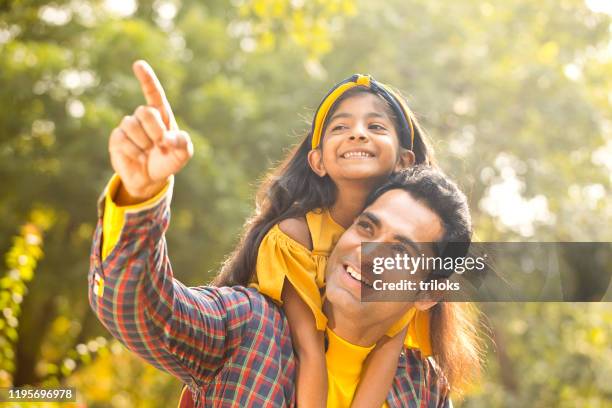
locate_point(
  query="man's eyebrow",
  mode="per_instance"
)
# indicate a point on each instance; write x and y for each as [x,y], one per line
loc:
[373,218]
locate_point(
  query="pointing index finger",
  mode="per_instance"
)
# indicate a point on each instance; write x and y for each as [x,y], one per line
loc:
[153,91]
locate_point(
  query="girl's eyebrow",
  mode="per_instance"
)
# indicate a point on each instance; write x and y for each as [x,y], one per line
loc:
[377,115]
[349,115]
[341,115]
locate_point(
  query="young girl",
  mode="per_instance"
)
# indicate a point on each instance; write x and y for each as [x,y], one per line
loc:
[361,132]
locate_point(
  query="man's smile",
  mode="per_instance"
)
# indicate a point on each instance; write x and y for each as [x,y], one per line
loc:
[355,274]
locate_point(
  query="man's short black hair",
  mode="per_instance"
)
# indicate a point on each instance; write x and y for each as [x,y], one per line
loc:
[439,193]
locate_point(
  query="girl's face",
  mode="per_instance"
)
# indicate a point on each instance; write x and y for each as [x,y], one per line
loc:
[360,143]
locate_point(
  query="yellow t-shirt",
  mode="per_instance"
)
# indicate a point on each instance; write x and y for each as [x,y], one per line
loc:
[344,365]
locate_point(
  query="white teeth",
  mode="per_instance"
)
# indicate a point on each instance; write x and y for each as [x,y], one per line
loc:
[351,155]
[353,273]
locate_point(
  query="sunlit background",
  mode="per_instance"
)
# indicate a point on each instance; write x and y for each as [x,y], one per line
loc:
[516,96]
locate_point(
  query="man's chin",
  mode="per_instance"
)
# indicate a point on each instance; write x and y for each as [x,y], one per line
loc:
[344,298]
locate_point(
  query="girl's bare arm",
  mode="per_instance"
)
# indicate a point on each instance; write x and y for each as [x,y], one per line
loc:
[308,343]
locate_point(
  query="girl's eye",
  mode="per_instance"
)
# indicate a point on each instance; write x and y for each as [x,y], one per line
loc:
[377,127]
[338,127]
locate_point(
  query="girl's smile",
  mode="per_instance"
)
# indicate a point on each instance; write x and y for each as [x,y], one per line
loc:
[360,142]
[357,154]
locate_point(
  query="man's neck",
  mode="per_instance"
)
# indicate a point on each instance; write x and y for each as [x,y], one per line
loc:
[349,328]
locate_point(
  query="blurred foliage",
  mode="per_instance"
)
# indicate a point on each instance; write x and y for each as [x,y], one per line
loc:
[21,261]
[309,24]
[548,355]
[516,97]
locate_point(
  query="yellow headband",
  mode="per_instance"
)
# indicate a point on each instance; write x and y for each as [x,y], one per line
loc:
[396,102]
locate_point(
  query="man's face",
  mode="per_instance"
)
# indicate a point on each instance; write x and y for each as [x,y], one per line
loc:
[394,217]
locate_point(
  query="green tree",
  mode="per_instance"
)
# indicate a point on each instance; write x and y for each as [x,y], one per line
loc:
[65,72]
[515,96]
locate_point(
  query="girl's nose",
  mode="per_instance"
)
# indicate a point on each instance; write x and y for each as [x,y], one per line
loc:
[359,134]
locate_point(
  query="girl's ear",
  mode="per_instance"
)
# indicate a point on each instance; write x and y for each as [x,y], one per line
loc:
[406,159]
[315,159]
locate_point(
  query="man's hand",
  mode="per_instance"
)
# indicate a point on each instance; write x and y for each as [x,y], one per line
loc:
[147,147]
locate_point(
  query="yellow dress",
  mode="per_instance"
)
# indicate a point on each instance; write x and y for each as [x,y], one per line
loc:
[280,257]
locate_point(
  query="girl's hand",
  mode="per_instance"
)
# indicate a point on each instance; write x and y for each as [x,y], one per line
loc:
[147,147]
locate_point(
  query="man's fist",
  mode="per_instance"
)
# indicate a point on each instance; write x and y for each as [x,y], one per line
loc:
[147,147]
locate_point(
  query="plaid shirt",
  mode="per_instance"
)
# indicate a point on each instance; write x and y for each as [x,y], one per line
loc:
[231,346]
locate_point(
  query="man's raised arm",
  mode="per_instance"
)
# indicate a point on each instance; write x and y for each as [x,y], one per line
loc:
[188,332]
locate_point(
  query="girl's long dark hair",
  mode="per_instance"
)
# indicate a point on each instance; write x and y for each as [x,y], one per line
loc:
[290,191]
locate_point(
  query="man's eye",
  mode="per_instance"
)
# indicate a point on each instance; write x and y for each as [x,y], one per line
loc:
[365,226]
[398,249]
[402,249]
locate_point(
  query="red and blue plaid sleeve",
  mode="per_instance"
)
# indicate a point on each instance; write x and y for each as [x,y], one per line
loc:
[188,332]
[419,383]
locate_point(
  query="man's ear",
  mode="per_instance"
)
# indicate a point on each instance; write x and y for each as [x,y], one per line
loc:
[315,160]
[406,159]
[423,305]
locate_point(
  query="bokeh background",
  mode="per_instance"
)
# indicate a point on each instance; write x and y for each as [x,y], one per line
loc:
[516,95]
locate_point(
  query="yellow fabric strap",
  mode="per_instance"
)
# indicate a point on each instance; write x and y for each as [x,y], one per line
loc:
[362,80]
[324,231]
[419,333]
[114,215]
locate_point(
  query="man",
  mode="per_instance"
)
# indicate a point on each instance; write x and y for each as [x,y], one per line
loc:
[232,346]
